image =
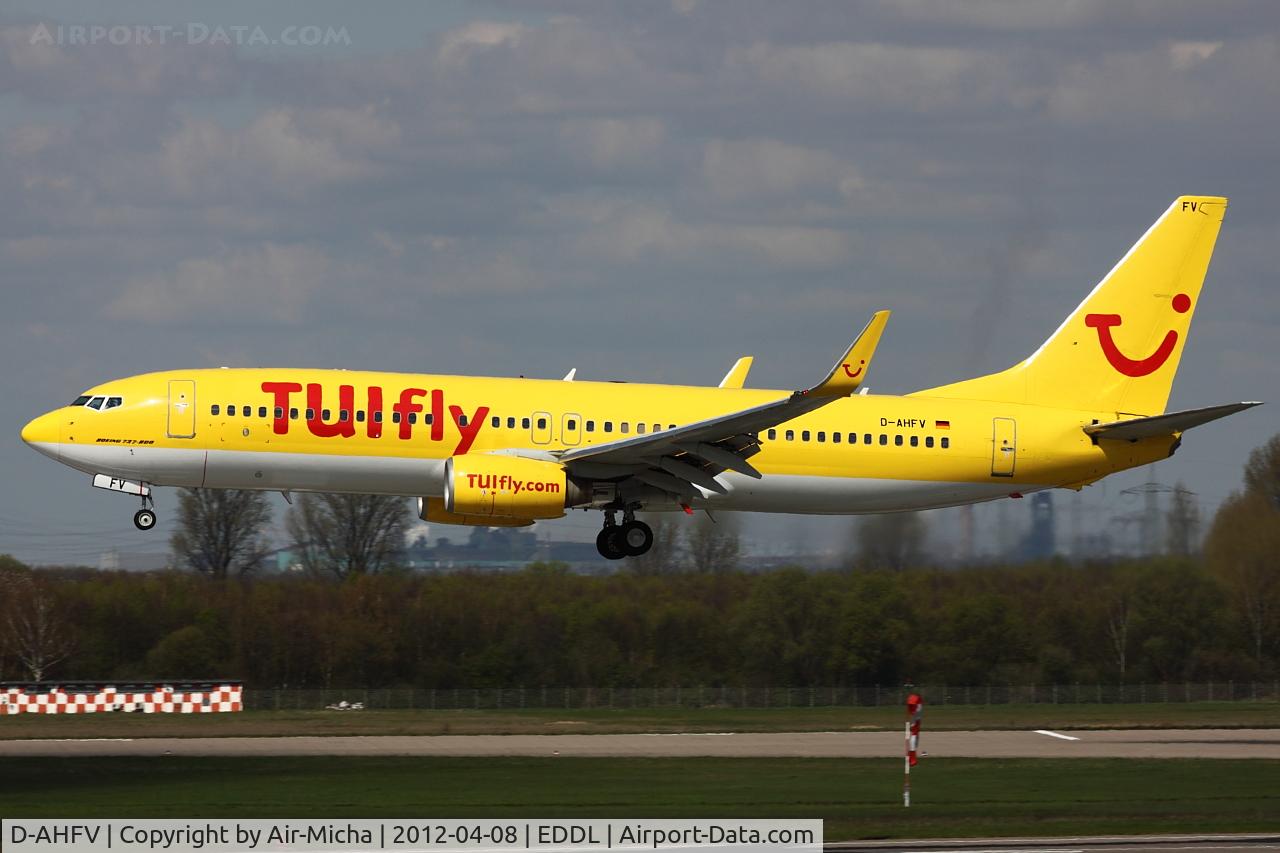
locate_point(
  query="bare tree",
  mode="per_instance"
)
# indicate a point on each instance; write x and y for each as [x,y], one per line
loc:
[1241,550]
[348,534]
[220,531]
[664,556]
[713,545]
[34,625]
[1182,523]
[1262,471]
[891,540]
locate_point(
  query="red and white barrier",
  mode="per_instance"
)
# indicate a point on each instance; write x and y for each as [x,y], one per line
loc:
[144,699]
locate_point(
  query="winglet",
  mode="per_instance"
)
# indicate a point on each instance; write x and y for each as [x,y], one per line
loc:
[737,375]
[851,370]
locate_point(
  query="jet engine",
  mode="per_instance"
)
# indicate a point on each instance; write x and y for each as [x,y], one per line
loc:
[512,487]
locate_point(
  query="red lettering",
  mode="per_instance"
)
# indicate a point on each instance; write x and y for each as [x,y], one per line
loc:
[406,407]
[373,426]
[280,392]
[468,432]
[437,415]
[346,401]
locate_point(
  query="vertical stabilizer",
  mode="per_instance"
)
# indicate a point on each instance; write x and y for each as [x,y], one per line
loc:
[1119,350]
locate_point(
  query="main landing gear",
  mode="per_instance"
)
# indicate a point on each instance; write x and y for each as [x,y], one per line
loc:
[629,539]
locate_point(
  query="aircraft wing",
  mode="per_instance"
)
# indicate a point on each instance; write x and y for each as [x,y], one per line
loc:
[1167,424]
[678,460]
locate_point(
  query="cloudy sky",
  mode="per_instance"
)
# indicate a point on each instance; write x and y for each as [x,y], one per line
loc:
[643,191]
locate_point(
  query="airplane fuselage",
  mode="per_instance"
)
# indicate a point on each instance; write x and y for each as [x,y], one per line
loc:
[390,433]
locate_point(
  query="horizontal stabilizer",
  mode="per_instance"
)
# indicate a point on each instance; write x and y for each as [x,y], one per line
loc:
[1167,424]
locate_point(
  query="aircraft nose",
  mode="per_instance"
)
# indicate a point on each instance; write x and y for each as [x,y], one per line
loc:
[43,434]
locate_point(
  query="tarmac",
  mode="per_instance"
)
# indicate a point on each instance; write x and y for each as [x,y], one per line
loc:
[1127,743]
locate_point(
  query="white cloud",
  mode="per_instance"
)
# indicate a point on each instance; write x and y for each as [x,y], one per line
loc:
[272,283]
[615,143]
[740,168]
[460,45]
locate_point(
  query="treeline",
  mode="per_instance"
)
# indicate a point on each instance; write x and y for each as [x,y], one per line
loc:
[1155,620]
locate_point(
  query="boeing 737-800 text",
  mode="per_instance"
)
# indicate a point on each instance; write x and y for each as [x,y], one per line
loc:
[506,452]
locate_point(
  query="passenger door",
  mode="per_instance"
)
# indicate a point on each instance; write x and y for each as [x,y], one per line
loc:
[571,430]
[1004,447]
[182,408]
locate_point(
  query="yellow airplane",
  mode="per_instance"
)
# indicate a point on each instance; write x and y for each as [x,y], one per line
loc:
[505,452]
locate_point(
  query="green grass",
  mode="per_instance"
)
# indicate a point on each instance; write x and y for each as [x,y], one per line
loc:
[599,721]
[857,798]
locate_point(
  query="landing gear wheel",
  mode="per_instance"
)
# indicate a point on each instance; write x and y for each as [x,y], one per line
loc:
[609,543]
[636,538]
[144,519]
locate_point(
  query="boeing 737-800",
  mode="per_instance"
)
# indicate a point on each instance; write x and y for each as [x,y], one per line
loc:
[506,452]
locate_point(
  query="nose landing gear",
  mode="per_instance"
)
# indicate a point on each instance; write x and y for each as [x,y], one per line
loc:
[629,539]
[145,518]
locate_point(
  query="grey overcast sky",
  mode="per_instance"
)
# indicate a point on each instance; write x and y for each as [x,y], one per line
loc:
[643,191]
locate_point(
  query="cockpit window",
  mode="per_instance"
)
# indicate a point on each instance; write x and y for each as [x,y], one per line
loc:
[96,402]
[81,400]
[112,402]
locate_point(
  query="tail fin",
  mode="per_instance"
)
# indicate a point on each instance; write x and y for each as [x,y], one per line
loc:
[1119,350]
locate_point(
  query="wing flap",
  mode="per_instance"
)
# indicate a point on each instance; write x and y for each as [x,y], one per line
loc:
[1166,424]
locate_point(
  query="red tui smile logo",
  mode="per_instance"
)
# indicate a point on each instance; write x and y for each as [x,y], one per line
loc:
[1120,361]
[854,374]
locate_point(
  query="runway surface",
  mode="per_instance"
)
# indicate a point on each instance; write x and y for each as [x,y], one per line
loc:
[1130,743]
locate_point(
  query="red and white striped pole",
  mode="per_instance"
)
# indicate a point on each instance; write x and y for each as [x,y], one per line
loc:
[915,713]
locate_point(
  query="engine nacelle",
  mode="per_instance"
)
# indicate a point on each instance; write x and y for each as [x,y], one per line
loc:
[432,509]
[508,487]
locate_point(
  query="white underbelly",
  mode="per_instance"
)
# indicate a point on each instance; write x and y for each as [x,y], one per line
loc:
[809,495]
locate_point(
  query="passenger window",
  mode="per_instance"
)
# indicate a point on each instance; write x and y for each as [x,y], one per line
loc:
[293,414]
[884,439]
[822,436]
[524,423]
[915,441]
[608,426]
[344,415]
[791,435]
[231,411]
[395,417]
[835,438]
[639,429]
[213,410]
[427,418]
[804,436]
[773,434]
[542,423]
[360,416]
[671,426]
[591,426]
[413,417]
[625,428]
[928,441]
[571,424]
[866,438]
[495,421]
[897,441]
[657,427]
[311,414]
[262,411]
[511,423]
[112,402]
[324,414]
[279,412]
[946,442]
[377,417]
[853,438]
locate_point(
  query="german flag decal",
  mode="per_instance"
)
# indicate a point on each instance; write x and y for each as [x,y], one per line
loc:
[942,424]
